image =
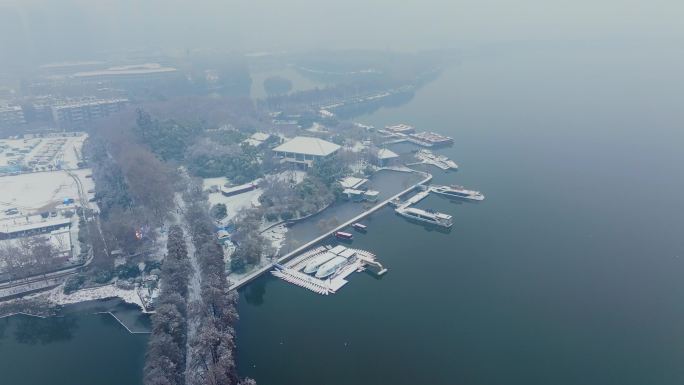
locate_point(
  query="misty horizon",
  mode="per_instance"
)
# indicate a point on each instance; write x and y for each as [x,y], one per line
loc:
[43,31]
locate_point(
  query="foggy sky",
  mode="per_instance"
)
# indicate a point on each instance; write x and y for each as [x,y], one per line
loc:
[48,30]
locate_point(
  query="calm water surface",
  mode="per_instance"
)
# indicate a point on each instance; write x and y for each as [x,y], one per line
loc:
[569,273]
[78,347]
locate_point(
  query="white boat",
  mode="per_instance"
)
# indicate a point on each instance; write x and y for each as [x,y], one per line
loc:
[448,162]
[440,161]
[458,192]
[344,236]
[317,261]
[435,218]
[330,267]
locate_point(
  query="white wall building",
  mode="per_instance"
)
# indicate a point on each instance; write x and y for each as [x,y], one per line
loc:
[304,150]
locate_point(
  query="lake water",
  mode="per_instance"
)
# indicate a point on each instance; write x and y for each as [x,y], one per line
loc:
[569,273]
[78,347]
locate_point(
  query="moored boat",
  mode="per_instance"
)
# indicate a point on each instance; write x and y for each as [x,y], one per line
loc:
[441,161]
[431,217]
[360,227]
[330,267]
[343,235]
[317,261]
[458,192]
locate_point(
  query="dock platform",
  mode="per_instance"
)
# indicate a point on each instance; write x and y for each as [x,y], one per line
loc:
[357,260]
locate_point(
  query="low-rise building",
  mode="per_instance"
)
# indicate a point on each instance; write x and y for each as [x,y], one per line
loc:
[11,116]
[304,150]
[16,228]
[386,157]
[76,114]
[352,182]
[257,139]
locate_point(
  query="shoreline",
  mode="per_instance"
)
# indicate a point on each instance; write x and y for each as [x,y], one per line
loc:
[257,273]
[47,302]
[55,296]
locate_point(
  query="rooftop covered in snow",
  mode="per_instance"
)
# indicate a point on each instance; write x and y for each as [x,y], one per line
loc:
[306,145]
[384,153]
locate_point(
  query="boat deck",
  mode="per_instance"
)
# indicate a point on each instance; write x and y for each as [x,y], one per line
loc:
[403,206]
[439,161]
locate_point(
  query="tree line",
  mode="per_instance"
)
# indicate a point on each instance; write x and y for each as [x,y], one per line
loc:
[318,190]
[213,347]
[165,360]
[24,257]
[133,188]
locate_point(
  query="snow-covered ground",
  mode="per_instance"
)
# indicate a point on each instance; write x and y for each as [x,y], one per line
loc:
[36,190]
[357,147]
[88,185]
[34,193]
[291,176]
[276,235]
[235,277]
[211,182]
[58,297]
[317,128]
[72,151]
[248,199]
[233,203]
[236,203]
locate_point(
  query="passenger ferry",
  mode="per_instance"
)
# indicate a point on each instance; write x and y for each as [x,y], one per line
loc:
[330,267]
[440,161]
[458,192]
[431,217]
[343,235]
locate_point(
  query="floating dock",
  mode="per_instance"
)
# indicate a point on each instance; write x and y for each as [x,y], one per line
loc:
[432,217]
[423,139]
[404,208]
[357,260]
[430,139]
[414,199]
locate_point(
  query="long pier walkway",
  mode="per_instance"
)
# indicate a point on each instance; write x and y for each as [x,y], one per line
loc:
[414,199]
[248,278]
